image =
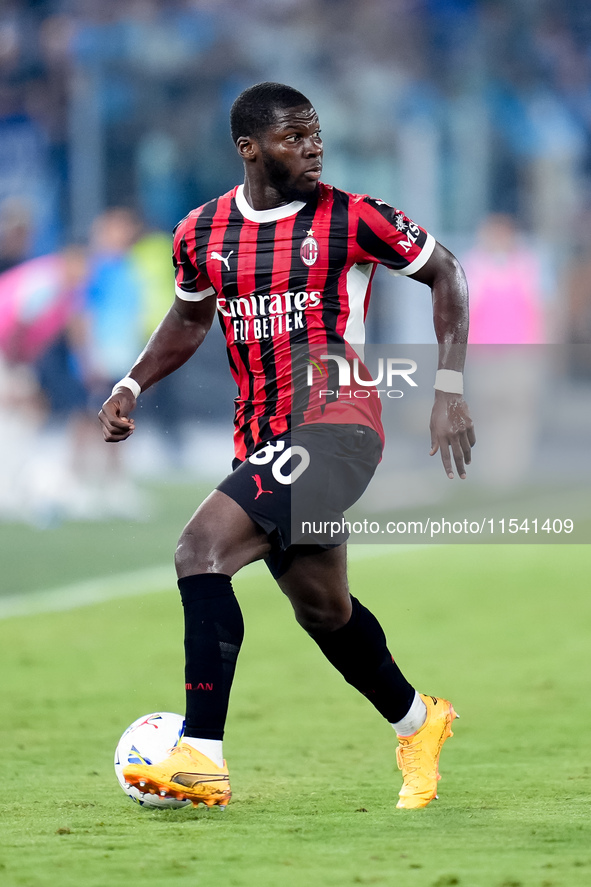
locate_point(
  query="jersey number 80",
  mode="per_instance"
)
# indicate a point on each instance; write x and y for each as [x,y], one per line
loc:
[271,450]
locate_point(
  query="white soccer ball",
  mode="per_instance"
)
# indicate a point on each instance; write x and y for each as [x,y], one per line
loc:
[148,741]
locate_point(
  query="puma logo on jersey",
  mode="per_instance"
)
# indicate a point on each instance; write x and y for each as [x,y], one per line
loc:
[224,259]
[257,479]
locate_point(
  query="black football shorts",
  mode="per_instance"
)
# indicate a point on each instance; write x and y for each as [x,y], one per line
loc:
[298,485]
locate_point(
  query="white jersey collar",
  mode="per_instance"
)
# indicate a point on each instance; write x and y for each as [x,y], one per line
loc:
[266,215]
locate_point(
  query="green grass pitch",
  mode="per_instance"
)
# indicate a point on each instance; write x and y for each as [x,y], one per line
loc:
[503,631]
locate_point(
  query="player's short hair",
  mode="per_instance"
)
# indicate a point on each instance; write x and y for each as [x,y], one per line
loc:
[254,109]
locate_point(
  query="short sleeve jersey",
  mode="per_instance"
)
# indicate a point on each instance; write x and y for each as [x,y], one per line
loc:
[292,286]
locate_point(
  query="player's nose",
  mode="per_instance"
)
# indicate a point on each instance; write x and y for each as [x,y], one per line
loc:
[314,147]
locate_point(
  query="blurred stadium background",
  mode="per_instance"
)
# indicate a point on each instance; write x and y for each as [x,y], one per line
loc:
[472,116]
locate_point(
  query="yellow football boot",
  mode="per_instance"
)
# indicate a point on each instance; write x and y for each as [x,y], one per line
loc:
[418,755]
[184,774]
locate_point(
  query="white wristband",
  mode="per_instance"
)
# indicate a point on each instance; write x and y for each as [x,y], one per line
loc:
[130,383]
[450,381]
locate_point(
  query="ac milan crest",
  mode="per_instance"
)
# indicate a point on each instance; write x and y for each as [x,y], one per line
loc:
[309,249]
[400,222]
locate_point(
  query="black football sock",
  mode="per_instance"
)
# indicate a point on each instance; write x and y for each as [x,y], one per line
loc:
[213,635]
[359,651]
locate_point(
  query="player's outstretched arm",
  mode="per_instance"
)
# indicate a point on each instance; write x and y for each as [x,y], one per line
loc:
[452,429]
[173,342]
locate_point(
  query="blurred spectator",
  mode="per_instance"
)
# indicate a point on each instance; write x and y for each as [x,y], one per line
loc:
[506,309]
[578,300]
[151,256]
[38,298]
[505,280]
[105,340]
[114,332]
[15,232]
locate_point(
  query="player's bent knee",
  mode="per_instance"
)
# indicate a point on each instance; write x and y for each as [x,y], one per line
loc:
[206,547]
[197,551]
[319,620]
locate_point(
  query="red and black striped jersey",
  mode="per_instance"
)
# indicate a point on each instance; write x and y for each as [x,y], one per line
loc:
[292,285]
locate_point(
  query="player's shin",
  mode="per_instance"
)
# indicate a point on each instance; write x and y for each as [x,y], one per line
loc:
[359,651]
[214,630]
